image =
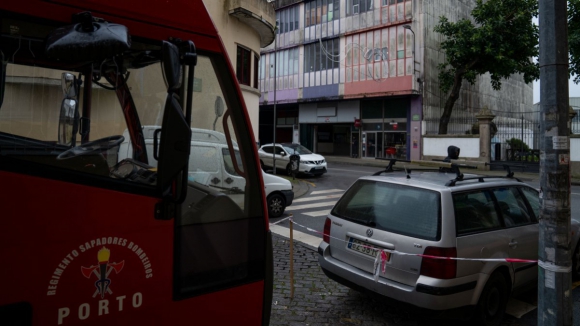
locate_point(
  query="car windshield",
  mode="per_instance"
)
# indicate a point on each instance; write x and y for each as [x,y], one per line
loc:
[296,149]
[395,208]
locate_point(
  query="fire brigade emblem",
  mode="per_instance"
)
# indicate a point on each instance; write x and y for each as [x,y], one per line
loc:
[102,272]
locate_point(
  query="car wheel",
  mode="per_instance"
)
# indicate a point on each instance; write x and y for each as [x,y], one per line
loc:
[276,205]
[492,302]
[576,263]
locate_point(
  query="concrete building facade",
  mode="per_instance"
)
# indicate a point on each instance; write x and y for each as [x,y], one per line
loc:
[245,27]
[359,77]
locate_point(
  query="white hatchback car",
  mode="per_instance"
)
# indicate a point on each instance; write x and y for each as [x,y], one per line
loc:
[211,165]
[437,214]
[310,163]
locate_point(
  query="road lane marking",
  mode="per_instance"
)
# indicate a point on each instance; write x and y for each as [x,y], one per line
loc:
[303,199]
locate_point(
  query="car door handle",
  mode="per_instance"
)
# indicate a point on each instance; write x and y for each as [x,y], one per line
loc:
[513,243]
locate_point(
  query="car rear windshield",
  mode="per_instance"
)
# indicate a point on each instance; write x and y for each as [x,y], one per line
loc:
[391,207]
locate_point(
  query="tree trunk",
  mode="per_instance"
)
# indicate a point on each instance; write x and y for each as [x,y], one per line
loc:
[453,96]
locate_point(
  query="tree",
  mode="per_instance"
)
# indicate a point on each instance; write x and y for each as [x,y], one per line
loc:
[501,42]
[574,38]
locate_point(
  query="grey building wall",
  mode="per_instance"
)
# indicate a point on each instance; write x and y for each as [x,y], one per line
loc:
[514,97]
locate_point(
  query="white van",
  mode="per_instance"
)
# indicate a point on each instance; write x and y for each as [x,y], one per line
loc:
[210,164]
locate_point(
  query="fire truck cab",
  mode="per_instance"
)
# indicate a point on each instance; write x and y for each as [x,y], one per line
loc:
[94,237]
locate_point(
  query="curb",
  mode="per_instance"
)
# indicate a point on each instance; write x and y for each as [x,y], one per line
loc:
[301,188]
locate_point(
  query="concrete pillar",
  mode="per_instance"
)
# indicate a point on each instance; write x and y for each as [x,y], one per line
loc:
[571,114]
[484,118]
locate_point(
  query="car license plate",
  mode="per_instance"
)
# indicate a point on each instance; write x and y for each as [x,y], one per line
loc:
[365,248]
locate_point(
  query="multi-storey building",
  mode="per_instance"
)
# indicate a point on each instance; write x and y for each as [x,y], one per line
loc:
[359,77]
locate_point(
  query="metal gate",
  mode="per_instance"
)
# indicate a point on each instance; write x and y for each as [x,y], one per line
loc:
[516,141]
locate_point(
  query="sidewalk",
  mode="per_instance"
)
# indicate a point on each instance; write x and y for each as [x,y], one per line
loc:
[319,301]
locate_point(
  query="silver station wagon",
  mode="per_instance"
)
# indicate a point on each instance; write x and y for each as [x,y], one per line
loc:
[441,214]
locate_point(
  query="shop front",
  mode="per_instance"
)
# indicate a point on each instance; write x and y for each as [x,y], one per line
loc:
[385,128]
[329,127]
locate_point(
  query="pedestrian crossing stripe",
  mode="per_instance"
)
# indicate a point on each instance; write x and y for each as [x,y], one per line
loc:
[327,191]
[301,200]
[305,206]
[318,213]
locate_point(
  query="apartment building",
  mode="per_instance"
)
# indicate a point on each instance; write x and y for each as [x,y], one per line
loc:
[359,77]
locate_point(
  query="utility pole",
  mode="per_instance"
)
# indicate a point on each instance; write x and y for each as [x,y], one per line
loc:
[554,251]
[275,81]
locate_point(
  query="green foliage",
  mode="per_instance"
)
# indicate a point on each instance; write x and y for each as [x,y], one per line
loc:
[502,41]
[517,144]
[574,38]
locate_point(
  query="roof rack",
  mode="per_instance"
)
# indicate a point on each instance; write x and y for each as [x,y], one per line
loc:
[441,167]
[445,167]
[509,175]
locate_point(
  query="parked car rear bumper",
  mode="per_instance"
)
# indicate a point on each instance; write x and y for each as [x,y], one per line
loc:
[353,277]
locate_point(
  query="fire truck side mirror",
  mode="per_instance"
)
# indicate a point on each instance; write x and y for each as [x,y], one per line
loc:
[175,144]
[68,122]
[171,66]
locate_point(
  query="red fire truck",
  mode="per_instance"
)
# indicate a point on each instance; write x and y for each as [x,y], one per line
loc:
[90,235]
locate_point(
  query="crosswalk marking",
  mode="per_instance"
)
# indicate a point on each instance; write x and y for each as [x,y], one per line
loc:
[293,208]
[301,200]
[317,213]
[327,191]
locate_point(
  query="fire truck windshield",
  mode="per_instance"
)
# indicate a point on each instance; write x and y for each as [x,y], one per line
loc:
[104,118]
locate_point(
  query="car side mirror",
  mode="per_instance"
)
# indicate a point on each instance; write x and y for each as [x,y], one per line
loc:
[282,153]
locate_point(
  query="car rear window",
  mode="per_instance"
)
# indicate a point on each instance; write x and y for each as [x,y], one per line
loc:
[395,208]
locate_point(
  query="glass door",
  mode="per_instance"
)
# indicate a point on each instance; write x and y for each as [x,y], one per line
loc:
[371,144]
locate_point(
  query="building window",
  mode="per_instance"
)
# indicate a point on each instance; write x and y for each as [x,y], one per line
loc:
[321,11]
[323,56]
[287,19]
[244,61]
[396,11]
[355,7]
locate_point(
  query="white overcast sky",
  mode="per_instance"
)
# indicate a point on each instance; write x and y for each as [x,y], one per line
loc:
[574,90]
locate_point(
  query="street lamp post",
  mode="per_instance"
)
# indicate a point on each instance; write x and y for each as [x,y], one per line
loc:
[409,28]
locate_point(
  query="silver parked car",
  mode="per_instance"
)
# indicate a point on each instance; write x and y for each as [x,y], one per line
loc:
[439,214]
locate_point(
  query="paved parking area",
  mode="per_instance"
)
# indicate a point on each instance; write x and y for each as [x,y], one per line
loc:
[320,301]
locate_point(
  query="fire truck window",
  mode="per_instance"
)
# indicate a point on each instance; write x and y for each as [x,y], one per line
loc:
[219,231]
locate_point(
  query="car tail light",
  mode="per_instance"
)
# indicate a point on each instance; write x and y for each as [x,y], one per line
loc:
[439,268]
[326,235]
